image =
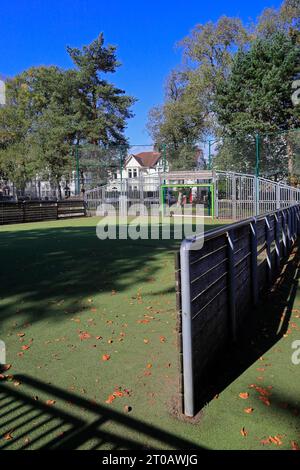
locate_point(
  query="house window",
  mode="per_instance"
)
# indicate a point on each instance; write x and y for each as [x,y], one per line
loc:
[129,173]
[135,173]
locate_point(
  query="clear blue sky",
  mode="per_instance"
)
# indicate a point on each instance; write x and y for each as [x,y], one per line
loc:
[36,32]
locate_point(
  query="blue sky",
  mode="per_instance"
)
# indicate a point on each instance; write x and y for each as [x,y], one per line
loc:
[36,32]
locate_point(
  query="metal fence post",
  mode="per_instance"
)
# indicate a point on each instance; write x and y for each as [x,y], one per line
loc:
[233,196]
[253,234]
[284,233]
[277,196]
[215,193]
[231,283]
[268,249]
[188,380]
[277,240]
[289,234]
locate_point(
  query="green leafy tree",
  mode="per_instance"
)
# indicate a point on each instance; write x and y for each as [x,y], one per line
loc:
[103,109]
[256,98]
[49,109]
[186,115]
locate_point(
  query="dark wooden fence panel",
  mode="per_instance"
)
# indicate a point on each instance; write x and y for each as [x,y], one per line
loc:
[67,209]
[36,211]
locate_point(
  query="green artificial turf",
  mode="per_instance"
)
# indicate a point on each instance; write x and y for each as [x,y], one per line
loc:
[68,299]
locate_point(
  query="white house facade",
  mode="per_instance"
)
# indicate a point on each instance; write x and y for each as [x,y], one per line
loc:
[144,166]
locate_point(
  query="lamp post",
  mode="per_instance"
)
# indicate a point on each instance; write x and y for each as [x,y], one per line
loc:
[257,154]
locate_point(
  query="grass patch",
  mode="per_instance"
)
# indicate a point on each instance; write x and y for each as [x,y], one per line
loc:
[67,301]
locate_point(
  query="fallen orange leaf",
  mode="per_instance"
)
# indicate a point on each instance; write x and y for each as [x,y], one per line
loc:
[162,339]
[110,399]
[275,440]
[244,432]
[149,366]
[249,410]
[25,347]
[295,445]
[265,400]
[84,335]
[244,395]
[6,367]
[263,391]
[8,436]
[105,357]
[50,402]
[265,441]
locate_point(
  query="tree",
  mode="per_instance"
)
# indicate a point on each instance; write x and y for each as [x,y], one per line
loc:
[49,109]
[102,107]
[209,48]
[256,97]
[186,115]
[179,123]
[285,19]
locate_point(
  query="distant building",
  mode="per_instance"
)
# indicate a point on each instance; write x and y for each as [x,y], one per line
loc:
[144,165]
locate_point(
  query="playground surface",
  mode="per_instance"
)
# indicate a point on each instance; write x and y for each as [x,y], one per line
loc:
[90,334]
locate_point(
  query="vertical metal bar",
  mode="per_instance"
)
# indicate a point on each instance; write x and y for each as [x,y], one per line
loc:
[257,154]
[77,169]
[233,196]
[212,196]
[289,235]
[284,233]
[277,240]
[231,284]
[253,235]
[256,186]
[277,196]
[188,380]
[216,195]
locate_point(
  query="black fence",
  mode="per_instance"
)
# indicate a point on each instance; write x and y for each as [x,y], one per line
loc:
[218,284]
[29,211]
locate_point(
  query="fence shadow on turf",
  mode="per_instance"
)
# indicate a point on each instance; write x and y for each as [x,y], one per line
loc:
[266,325]
[27,422]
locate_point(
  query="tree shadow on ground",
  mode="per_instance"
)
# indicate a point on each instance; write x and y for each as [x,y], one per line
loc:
[266,325]
[43,266]
[72,422]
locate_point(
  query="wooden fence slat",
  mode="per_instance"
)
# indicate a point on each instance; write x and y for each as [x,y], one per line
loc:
[32,211]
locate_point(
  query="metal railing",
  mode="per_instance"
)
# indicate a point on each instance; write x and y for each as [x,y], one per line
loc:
[237,196]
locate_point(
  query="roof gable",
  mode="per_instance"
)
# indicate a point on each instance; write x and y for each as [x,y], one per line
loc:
[148,159]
